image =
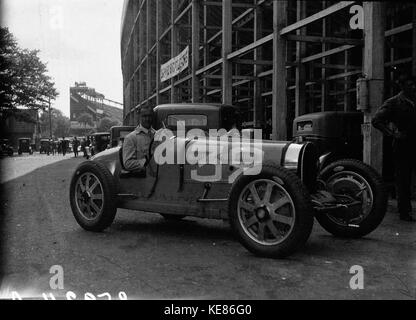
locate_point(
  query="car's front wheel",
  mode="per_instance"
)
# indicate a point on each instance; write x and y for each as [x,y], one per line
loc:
[271,212]
[360,182]
[93,196]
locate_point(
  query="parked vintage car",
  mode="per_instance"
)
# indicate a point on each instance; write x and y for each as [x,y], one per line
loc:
[118,133]
[45,146]
[99,142]
[25,146]
[337,135]
[5,148]
[271,205]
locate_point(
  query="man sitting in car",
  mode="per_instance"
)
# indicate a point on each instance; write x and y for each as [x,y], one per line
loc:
[136,145]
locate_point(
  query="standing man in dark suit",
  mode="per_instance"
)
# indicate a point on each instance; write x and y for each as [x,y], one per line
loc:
[397,118]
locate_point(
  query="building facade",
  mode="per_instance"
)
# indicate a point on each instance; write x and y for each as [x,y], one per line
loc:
[275,60]
[86,100]
[20,125]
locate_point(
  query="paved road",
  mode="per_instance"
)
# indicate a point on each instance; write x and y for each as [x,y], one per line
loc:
[148,257]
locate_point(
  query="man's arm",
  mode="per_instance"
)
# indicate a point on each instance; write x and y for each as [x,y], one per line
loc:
[131,163]
[383,117]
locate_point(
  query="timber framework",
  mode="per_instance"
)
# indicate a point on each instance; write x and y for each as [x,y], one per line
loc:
[275,60]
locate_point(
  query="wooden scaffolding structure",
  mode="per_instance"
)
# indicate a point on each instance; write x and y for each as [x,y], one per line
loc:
[273,59]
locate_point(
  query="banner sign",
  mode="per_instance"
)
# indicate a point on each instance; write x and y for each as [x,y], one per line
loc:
[175,65]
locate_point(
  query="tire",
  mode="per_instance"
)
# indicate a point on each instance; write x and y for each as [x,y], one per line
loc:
[93,214]
[293,218]
[345,177]
[10,153]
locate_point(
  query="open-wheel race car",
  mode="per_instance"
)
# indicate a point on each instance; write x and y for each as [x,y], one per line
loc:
[270,201]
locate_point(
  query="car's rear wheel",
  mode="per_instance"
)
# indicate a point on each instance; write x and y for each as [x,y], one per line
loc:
[93,196]
[271,212]
[362,183]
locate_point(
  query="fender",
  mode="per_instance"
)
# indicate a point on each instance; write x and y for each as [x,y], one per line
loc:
[326,159]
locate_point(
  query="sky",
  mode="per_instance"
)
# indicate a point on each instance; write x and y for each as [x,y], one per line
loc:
[78,39]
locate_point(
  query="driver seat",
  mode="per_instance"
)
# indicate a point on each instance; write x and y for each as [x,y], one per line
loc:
[126,174]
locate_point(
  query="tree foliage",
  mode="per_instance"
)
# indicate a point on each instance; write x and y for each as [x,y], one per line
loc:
[60,124]
[106,123]
[86,119]
[23,77]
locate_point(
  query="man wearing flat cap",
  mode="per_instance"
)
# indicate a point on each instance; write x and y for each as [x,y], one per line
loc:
[136,145]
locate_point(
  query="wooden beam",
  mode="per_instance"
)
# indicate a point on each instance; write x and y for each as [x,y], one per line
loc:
[399,61]
[334,66]
[158,48]
[206,81]
[300,91]
[174,47]
[414,41]
[254,62]
[258,111]
[196,6]
[148,46]
[210,66]
[327,53]
[324,83]
[251,46]
[374,26]
[400,29]
[344,75]
[227,16]
[279,105]
[316,39]
[317,16]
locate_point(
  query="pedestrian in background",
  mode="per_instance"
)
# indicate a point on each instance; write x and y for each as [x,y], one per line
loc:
[75,145]
[83,147]
[64,147]
[397,118]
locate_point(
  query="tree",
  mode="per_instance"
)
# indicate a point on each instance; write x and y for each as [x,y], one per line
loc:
[23,78]
[106,123]
[85,119]
[60,123]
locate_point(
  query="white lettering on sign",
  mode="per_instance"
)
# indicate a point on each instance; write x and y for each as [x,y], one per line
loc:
[357,20]
[175,65]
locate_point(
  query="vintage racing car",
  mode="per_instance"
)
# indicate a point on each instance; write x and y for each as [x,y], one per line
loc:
[270,204]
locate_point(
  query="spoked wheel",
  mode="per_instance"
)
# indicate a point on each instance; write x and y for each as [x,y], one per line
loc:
[89,196]
[266,218]
[362,183]
[92,196]
[271,212]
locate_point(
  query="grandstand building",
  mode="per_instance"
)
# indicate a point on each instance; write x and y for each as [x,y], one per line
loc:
[273,59]
[87,100]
